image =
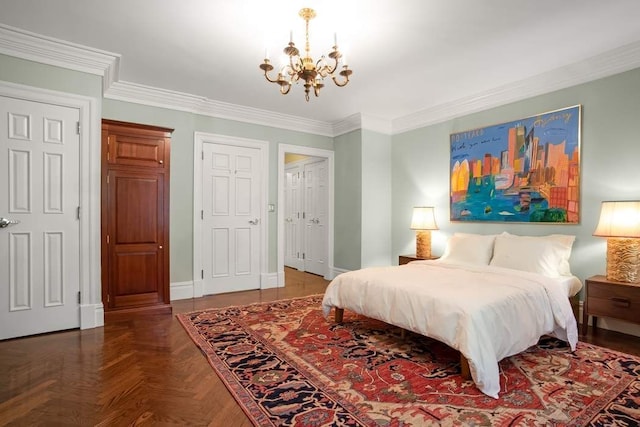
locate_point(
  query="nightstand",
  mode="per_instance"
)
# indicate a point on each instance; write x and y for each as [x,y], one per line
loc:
[608,298]
[405,259]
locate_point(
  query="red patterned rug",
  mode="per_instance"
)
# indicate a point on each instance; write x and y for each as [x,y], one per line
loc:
[287,365]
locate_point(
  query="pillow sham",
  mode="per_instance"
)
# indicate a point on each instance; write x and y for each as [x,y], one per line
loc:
[465,248]
[547,255]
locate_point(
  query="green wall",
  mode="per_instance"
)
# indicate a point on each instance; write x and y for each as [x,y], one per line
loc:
[376,199]
[609,166]
[348,201]
[49,77]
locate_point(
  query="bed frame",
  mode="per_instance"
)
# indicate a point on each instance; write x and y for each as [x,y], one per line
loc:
[465,371]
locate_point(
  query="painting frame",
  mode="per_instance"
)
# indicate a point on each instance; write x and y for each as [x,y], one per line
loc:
[522,171]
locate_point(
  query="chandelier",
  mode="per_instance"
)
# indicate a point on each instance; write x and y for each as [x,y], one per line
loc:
[304,68]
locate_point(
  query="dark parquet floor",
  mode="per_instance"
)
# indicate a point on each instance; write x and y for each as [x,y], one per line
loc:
[143,371]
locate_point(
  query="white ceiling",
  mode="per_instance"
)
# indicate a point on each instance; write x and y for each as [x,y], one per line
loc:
[407,55]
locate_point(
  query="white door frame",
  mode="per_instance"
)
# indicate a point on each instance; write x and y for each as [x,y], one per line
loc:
[201,138]
[314,152]
[91,309]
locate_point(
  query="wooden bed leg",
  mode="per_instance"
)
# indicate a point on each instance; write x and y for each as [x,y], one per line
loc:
[465,372]
[339,314]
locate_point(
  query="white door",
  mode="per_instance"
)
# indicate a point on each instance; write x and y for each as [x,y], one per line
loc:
[231,218]
[40,189]
[315,217]
[293,217]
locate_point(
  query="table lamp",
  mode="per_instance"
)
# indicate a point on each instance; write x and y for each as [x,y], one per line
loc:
[423,220]
[620,224]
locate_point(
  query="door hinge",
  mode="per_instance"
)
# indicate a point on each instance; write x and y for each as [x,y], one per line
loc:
[108,240]
[108,156]
[303,215]
[78,212]
[108,298]
[107,179]
[303,255]
[202,274]
[78,128]
[202,214]
[79,297]
[202,152]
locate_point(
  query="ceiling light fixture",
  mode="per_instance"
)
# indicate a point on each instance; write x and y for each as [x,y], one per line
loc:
[305,68]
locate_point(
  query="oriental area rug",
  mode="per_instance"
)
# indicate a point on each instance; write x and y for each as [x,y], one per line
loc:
[287,365]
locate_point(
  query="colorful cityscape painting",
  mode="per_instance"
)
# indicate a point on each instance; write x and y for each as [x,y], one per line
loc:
[527,170]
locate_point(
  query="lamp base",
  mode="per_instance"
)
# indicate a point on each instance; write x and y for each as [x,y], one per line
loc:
[423,244]
[623,259]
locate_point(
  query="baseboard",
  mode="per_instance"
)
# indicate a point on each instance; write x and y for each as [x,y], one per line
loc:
[182,290]
[91,316]
[271,280]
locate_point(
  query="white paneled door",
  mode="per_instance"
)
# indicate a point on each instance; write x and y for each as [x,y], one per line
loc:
[315,217]
[293,250]
[40,231]
[231,218]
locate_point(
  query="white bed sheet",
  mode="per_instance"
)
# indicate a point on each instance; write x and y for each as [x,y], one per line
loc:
[487,313]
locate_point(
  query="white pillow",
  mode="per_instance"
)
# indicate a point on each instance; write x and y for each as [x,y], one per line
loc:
[474,249]
[546,255]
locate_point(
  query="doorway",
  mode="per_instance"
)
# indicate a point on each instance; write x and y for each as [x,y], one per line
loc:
[305,216]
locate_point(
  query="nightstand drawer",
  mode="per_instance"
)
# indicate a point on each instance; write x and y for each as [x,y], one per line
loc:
[606,291]
[617,307]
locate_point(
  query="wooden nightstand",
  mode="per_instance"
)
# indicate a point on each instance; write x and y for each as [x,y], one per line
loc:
[609,298]
[405,259]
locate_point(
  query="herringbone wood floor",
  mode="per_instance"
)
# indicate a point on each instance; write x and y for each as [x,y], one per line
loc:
[144,371]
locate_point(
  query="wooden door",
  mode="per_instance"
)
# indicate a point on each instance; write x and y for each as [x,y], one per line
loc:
[40,194]
[136,239]
[135,218]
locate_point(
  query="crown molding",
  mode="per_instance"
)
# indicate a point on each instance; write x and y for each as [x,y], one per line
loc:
[348,124]
[48,50]
[156,97]
[612,62]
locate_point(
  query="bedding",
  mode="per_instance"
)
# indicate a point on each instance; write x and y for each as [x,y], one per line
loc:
[485,312]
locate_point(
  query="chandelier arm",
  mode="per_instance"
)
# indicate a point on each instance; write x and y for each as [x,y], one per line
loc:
[335,62]
[344,73]
[295,65]
[266,76]
[283,91]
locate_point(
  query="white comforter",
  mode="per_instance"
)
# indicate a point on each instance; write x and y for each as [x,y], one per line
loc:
[487,313]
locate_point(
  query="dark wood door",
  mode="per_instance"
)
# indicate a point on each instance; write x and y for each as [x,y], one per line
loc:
[136,244]
[135,218]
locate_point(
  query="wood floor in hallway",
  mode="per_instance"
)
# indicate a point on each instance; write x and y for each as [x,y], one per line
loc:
[143,371]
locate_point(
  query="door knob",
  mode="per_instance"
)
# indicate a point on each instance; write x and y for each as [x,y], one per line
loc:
[5,222]
[254,221]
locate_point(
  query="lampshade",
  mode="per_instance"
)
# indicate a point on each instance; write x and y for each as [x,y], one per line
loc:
[423,218]
[619,219]
[620,224]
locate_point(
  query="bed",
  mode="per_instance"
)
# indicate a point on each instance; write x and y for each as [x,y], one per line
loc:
[489,297]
